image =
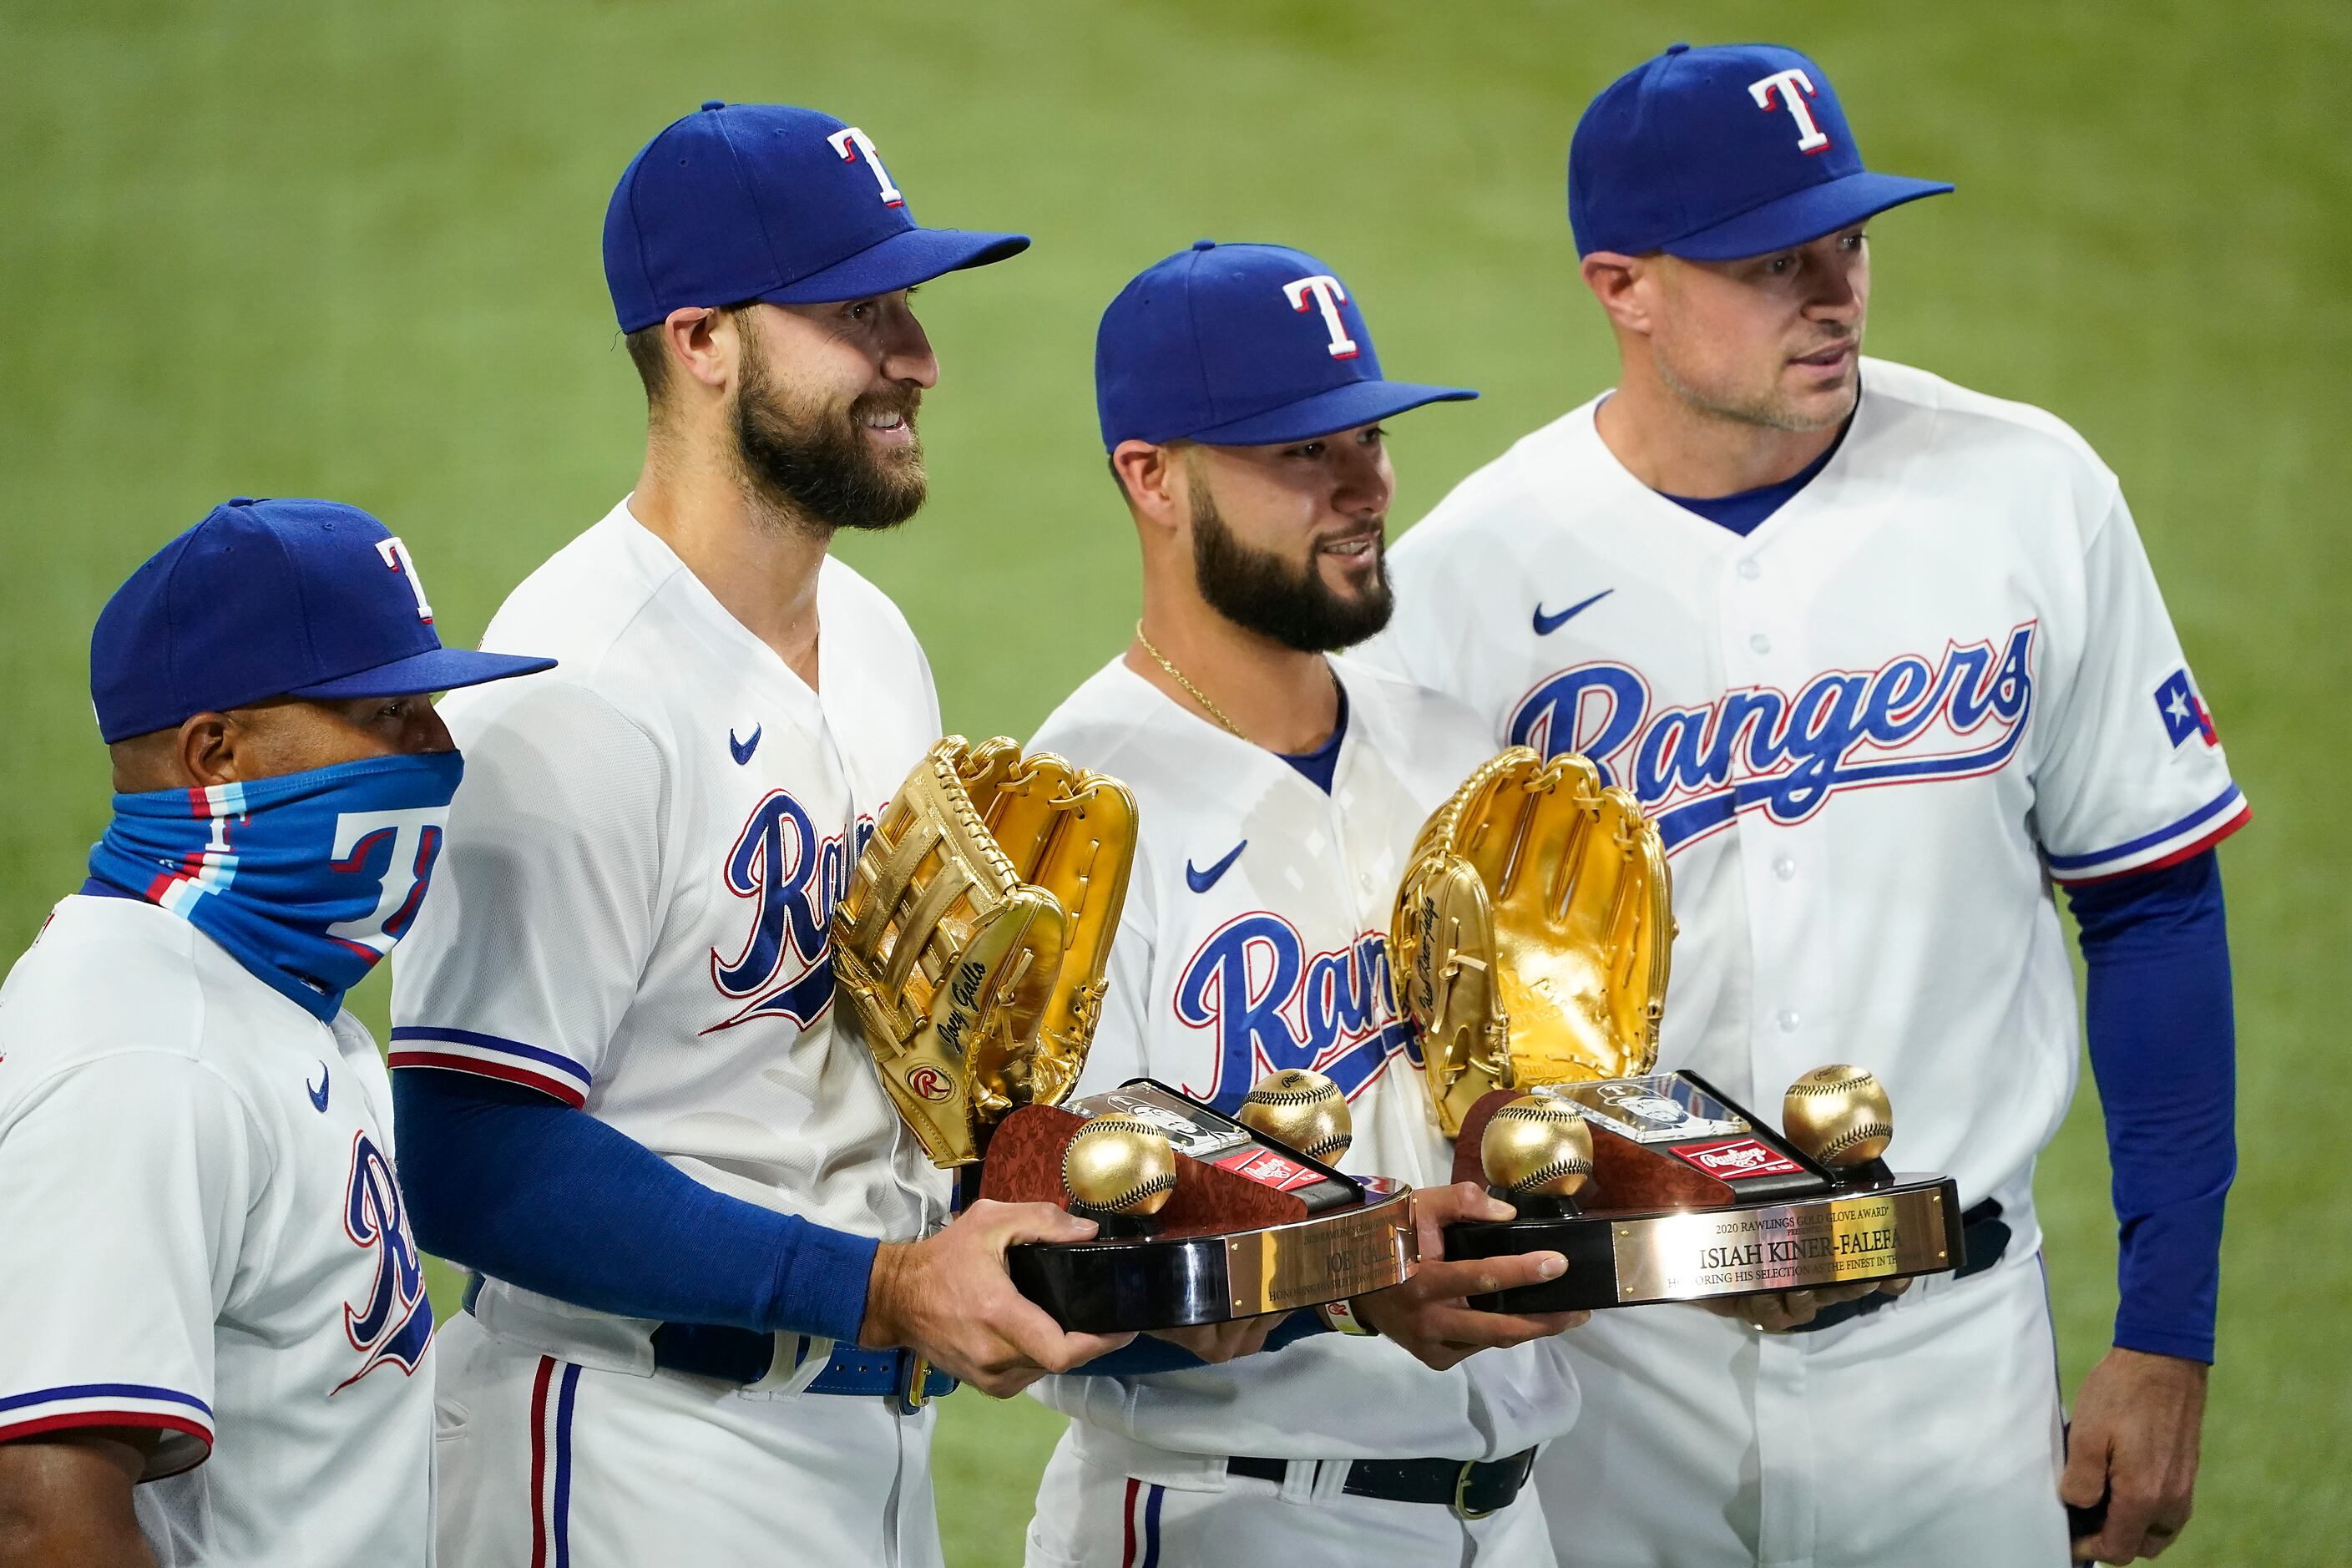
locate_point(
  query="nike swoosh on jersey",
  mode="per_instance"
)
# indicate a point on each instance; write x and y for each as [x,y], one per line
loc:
[1547,624]
[743,749]
[318,1094]
[1201,881]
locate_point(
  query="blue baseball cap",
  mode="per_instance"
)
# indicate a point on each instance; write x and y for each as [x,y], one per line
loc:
[764,201]
[1241,345]
[272,598]
[1715,154]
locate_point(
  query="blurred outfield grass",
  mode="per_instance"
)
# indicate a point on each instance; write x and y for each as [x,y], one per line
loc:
[347,249]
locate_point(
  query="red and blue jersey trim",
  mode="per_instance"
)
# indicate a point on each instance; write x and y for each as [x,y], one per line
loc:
[491,1056]
[2168,845]
[142,1404]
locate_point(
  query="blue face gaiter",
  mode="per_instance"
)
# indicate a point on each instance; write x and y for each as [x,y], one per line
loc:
[306,879]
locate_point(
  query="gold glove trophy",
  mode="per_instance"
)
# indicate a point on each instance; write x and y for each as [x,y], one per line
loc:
[1530,945]
[971,945]
[1203,1217]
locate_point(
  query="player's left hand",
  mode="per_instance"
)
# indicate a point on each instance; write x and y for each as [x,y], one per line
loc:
[2134,1442]
[1777,1311]
[1430,1314]
[1217,1343]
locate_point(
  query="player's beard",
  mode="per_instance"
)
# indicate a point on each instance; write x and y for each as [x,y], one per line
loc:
[1258,590]
[816,462]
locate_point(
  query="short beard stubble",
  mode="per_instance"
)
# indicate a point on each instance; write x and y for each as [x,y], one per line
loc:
[1771,411]
[817,462]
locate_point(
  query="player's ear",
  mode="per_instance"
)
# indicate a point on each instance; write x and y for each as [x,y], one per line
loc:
[702,345]
[1614,280]
[206,750]
[1147,474]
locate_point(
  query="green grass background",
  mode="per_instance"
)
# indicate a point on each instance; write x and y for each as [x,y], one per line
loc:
[351,249]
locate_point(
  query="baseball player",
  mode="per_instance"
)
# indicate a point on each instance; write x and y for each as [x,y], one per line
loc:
[213,1322]
[1884,658]
[1278,795]
[714,1281]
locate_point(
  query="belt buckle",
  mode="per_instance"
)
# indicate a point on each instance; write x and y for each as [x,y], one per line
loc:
[911,1395]
[1462,1485]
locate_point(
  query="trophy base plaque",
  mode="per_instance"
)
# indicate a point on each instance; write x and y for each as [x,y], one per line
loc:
[1248,1228]
[1692,1198]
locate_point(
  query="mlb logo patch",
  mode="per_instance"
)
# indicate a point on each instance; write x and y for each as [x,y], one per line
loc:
[2184,714]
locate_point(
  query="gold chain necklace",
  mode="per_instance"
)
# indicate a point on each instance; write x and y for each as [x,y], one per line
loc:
[1198,695]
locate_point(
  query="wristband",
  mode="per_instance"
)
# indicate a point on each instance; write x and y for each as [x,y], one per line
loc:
[1341,1317]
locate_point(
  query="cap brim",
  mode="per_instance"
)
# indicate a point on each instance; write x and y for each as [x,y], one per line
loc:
[907,257]
[1341,408]
[1802,215]
[435,670]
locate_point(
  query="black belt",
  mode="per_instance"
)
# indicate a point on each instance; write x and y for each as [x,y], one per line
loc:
[745,1356]
[1473,1489]
[1984,1237]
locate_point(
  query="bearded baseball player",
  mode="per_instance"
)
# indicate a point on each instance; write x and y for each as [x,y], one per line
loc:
[215,1345]
[714,1281]
[1884,658]
[1278,792]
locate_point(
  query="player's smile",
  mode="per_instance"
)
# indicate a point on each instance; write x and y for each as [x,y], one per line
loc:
[891,430]
[1356,559]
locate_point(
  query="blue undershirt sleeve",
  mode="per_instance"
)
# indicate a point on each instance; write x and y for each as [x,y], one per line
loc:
[2163,1043]
[515,1184]
[1143,1355]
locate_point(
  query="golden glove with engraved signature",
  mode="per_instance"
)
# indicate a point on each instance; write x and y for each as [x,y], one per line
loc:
[1531,933]
[972,939]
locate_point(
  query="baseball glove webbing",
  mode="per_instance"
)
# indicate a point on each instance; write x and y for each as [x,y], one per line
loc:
[1531,938]
[973,939]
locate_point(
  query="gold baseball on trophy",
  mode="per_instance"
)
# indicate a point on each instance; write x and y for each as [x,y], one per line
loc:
[1116,1165]
[1300,1110]
[1838,1115]
[1537,1148]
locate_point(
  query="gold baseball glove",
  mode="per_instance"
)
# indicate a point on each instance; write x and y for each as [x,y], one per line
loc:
[1531,933]
[972,938]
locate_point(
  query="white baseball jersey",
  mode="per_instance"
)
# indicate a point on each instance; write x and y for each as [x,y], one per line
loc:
[631,911]
[200,1235]
[1872,732]
[1864,729]
[1253,941]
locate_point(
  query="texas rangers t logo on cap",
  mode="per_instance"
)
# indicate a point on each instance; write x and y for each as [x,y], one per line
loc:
[1326,294]
[1788,84]
[395,555]
[853,143]
[1688,153]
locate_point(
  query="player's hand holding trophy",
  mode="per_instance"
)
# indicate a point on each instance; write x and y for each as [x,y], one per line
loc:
[1530,948]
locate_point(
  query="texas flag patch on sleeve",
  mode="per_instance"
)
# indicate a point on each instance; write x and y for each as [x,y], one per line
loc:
[2183,711]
